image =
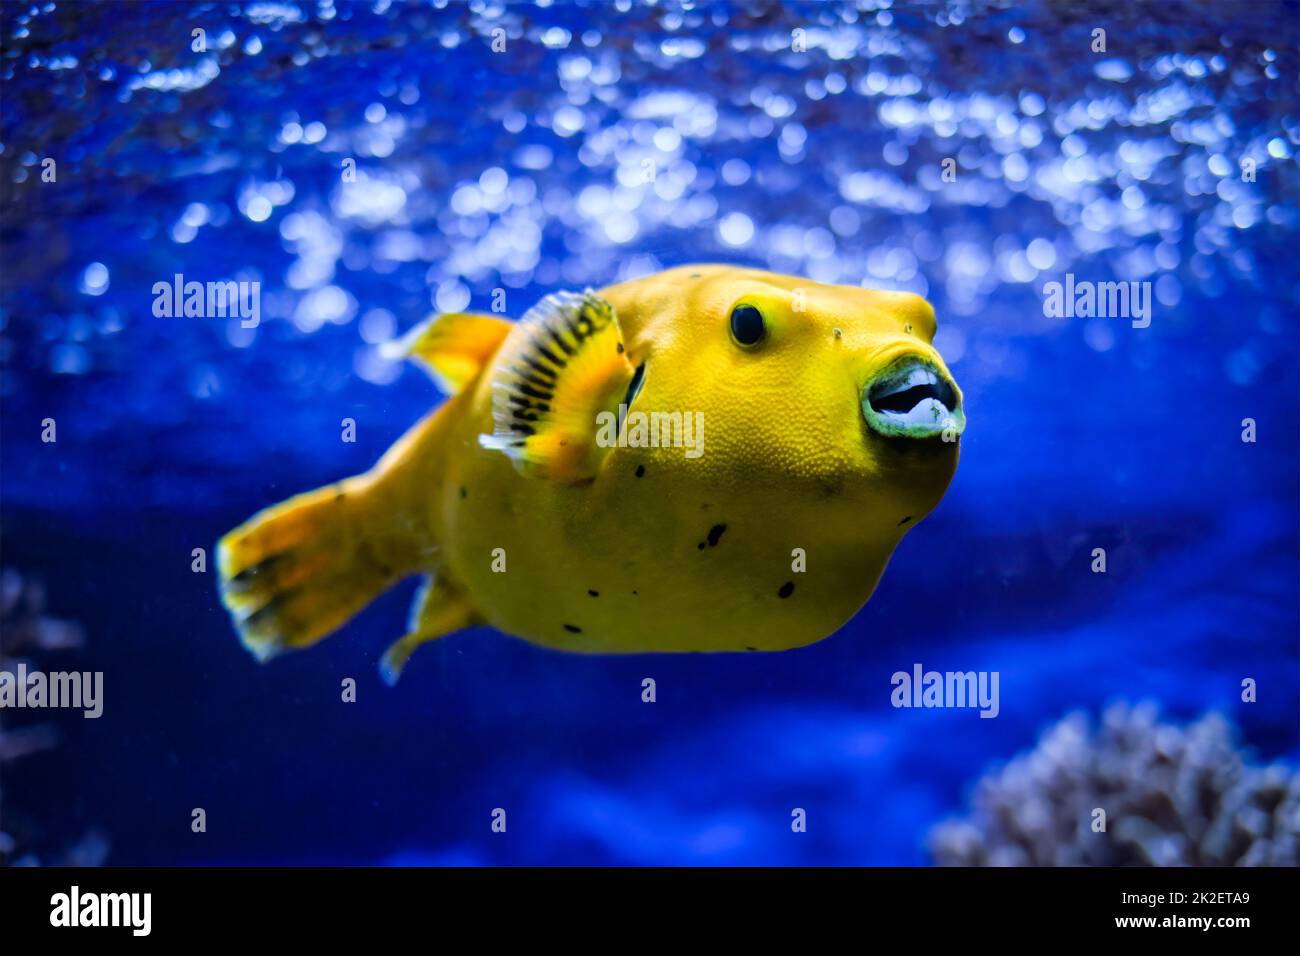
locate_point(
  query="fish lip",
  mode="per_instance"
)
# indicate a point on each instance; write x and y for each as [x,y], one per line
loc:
[936,412]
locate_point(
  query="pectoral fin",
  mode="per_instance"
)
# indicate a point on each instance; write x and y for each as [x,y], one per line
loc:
[453,348]
[439,609]
[563,365]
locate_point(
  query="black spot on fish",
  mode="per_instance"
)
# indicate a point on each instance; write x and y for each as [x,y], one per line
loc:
[640,471]
[905,521]
[715,534]
[751,648]
[593,593]
[700,545]
[786,590]
[463,493]
[620,348]
[830,489]
[339,496]
[636,594]
[572,629]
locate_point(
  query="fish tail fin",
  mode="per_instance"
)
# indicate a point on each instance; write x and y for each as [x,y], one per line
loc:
[296,572]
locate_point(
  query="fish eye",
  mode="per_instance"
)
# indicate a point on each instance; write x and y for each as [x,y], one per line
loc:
[748,327]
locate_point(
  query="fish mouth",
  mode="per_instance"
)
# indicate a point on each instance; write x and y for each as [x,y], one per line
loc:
[912,398]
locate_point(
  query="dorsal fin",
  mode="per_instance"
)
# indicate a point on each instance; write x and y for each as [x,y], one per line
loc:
[453,348]
[562,366]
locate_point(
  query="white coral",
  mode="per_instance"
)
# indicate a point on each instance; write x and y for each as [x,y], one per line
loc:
[1173,796]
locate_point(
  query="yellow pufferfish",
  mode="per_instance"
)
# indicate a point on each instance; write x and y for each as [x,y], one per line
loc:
[803,429]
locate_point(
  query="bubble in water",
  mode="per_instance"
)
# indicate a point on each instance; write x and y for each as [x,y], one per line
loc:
[736,229]
[94,279]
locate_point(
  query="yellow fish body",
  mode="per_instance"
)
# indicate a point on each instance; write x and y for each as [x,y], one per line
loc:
[707,459]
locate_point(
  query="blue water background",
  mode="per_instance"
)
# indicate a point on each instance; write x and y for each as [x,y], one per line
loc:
[523,170]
